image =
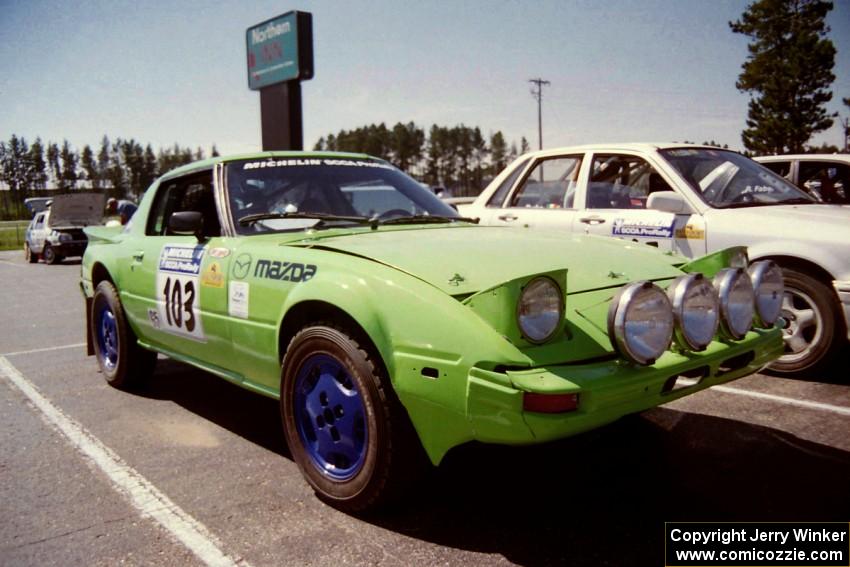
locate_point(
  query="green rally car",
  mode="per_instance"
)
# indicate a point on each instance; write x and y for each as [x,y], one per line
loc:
[391,329]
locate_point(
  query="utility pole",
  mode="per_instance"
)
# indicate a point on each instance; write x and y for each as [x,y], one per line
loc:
[538,94]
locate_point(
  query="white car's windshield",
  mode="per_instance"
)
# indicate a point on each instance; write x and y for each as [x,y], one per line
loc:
[296,193]
[726,179]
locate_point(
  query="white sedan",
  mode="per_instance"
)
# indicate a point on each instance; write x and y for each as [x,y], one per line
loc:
[693,200]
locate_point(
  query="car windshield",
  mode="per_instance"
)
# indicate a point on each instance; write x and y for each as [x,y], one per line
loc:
[279,194]
[726,179]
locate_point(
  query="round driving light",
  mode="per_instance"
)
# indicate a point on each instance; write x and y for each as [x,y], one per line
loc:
[640,322]
[540,310]
[769,287]
[736,302]
[696,311]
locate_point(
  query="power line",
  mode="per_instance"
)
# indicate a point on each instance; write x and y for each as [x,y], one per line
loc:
[538,94]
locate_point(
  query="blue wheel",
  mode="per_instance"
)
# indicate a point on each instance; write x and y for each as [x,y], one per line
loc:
[347,431]
[122,361]
[107,336]
[330,417]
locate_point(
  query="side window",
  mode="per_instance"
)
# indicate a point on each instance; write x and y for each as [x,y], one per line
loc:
[551,184]
[193,193]
[780,168]
[622,182]
[830,180]
[39,221]
[499,196]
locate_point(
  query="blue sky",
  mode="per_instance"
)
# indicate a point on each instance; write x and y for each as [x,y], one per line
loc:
[165,72]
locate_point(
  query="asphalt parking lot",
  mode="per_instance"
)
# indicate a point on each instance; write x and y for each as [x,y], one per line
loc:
[193,447]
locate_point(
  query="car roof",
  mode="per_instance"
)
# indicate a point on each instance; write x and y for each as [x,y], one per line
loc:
[805,157]
[211,162]
[621,146]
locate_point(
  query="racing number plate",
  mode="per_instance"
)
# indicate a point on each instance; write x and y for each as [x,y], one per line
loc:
[178,290]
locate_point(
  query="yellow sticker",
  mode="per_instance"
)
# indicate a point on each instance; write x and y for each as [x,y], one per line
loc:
[690,232]
[212,275]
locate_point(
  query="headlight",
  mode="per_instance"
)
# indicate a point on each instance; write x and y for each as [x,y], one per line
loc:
[736,302]
[64,237]
[769,287]
[640,322]
[696,311]
[540,309]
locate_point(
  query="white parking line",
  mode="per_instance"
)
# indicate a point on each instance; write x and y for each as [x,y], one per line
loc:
[46,349]
[840,410]
[142,495]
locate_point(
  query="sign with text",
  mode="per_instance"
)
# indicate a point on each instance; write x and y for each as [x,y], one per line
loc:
[280,49]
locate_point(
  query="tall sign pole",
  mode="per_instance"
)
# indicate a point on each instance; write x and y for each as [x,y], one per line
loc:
[280,56]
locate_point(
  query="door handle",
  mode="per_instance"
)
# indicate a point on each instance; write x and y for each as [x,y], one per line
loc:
[592,220]
[139,256]
[508,217]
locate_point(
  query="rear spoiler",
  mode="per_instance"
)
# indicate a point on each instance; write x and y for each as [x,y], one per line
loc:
[103,233]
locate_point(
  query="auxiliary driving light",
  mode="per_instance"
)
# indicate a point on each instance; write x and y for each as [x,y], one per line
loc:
[769,288]
[696,311]
[736,302]
[640,322]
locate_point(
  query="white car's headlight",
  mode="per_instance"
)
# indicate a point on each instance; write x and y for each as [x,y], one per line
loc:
[696,311]
[540,309]
[736,302]
[769,287]
[640,322]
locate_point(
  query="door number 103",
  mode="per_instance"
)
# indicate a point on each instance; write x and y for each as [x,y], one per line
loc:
[179,299]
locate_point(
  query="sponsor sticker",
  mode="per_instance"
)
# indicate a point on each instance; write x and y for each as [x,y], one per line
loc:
[237,302]
[690,232]
[660,228]
[314,162]
[153,315]
[212,275]
[219,252]
[284,271]
[177,290]
[241,266]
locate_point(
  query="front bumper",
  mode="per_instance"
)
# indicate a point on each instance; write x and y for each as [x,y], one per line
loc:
[843,291]
[607,390]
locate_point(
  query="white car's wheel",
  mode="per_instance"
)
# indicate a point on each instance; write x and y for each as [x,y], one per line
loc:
[811,325]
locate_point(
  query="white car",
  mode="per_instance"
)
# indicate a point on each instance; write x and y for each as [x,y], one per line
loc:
[826,176]
[57,232]
[693,200]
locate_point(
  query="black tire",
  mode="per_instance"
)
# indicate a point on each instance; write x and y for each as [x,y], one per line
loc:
[391,456]
[814,331]
[50,256]
[29,255]
[123,362]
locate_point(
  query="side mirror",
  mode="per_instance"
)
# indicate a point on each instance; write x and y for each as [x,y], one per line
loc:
[668,202]
[187,223]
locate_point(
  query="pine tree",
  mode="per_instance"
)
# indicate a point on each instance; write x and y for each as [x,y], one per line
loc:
[788,73]
[89,166]
[39,166]
[68,176]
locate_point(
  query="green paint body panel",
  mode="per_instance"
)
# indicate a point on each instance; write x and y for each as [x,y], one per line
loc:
[437,297]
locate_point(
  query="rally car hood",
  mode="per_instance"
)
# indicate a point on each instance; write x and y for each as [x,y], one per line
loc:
[74,210]
[464,260]
[793,215]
